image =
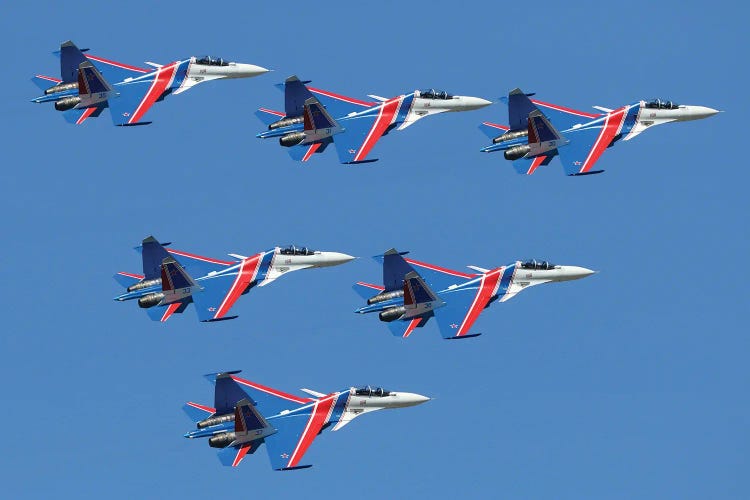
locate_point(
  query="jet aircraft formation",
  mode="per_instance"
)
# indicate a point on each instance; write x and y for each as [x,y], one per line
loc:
[245,414]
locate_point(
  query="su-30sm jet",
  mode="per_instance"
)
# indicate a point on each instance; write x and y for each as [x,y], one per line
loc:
[315,118]
[246,414]
[413,292]
[172,279]
[538,131]
[88,84]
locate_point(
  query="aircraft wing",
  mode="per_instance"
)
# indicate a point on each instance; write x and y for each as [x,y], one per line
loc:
[116,71]
[587,144]
[198,265]
[339,105]
[270,401]
[361,133]
[296,432]
[221,291]
[137,97]
[438,277]
[464,305]
[561,117]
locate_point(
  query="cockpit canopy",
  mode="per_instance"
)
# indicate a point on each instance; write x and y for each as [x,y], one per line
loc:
[211,61]
[292,250]
[538,264]
[372,391]
[660,104]
[434,94]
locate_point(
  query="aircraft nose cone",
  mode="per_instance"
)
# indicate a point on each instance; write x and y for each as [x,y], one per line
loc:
[574,273]
[250,70]
[467,103]
[334,258]
[699,112]
[404,399]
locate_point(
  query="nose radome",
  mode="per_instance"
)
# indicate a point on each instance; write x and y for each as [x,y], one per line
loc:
[700,112]
[335,258]
[568,273]
[410,399]
[467,103]
[249,70]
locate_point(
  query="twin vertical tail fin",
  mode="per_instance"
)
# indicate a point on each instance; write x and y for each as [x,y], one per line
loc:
[543,137]
[418,297]
[316,117]
[174,277]
[71,58]
[247,419]
[90,81]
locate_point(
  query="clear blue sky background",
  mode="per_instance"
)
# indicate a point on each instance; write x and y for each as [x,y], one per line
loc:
[632,383]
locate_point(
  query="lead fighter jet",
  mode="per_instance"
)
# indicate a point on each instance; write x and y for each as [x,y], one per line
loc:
[413,292]
[167,286]
[313,119]
[246,414]
[538,131]
[89,83]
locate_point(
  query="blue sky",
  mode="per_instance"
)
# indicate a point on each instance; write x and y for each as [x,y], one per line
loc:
[631,383]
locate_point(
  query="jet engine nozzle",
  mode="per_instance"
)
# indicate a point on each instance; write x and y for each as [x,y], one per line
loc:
[392,314]
[216,420]
[222,440]
[150,300]
[517,152]
[144,284]
[67,103]
[510,135]
[61,87]
[383,296]
[285,122]
[292,139]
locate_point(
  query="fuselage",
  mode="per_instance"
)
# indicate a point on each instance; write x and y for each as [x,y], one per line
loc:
[270,265]
[626,121]
[336,409]
[399,112]
[175,77]
[505,282]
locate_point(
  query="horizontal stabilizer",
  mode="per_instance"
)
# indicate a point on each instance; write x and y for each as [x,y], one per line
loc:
[127,279]
[492,130]
[197,412]
[231,456]
[268,116]
[44,82]
[366,290]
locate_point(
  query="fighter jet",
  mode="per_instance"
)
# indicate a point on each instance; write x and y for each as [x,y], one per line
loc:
[167,286]
[246,414]
[539,131]
[313,119]
[413,292]
[88,84]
